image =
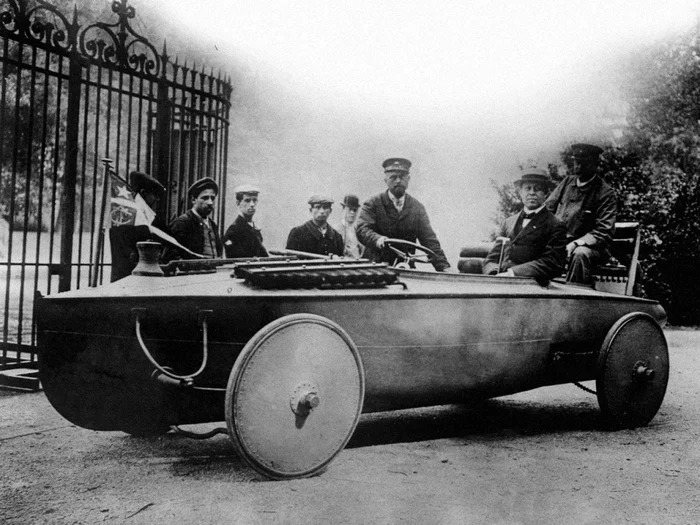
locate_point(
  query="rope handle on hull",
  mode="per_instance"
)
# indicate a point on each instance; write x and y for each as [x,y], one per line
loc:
[187,379]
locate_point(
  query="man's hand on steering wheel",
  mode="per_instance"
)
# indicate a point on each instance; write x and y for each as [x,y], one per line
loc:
[395,246]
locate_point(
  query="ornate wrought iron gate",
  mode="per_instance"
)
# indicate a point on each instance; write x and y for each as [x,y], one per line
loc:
[70,95]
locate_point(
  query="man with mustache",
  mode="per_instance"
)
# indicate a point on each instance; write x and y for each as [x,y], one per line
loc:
[398,215]
[537,237]
[195,229]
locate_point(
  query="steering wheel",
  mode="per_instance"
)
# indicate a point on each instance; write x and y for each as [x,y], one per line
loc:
[400,248]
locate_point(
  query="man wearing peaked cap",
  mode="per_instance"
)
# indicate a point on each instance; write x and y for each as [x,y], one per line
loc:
[347,227]
[586,204]
[316,235]
[195,229]
[123,238]
[243,238]
[395,214]
[536,238]
[396,164]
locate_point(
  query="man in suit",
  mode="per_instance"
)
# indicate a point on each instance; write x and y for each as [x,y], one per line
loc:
[316,235]
[396,214]
[586,204]
[242,238]
[195,229]
[346,228]
[537,238]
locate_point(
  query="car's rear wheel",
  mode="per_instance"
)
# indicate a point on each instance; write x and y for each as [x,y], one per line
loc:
[632,371]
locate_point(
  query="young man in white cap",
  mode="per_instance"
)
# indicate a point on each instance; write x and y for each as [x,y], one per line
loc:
[537,238]
[316,235]
[396,214]
[242,238]
[195,229]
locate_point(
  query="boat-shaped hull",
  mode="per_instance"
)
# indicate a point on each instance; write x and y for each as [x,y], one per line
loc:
[437,339]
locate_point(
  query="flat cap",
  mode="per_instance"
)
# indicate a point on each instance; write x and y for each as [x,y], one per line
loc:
[247,189]
[143,181]
[537,175]
[585,151]
[207,183]
[396,164]
[351,201]
[320,199]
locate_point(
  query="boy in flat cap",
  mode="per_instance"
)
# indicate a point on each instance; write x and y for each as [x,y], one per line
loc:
[396,214]
[586,204]
[122,239]
[346,228]
[195,229]
[537,237]
[316,235]
[242,238]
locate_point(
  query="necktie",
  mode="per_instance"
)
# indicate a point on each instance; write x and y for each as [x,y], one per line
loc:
[529,216]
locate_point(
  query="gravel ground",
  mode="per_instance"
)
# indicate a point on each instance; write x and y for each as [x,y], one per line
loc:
[538,457]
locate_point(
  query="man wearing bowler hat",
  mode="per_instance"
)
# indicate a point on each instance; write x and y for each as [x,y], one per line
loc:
[242,238]
[346,228]
[195,229]
[586,204]
[316,235]
[398,215]
[536,237]
[123,238]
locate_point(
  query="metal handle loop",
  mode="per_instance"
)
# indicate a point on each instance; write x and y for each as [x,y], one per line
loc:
[162,370]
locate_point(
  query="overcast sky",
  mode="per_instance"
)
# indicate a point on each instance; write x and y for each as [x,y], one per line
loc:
[469,89]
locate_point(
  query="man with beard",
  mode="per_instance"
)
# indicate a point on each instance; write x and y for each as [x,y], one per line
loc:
[242,238]
[195,229]
[586,204]
[398,215]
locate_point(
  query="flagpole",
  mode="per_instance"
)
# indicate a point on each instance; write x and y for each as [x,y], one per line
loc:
[100,229]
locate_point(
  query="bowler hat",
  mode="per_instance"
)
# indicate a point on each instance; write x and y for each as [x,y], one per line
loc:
[351,201]
[207,183]
[537,175]
[585,151]
[320,199]
[143,181]
[247,189]
[396,164]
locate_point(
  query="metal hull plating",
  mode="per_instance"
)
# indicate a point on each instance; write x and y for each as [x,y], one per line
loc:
[443,339]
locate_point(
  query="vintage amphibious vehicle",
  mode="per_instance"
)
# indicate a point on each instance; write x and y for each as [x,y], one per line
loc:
[290,351]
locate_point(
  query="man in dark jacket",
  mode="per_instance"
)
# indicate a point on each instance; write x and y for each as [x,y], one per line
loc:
[316,235]
[242,238]
[194,229]
[396,214]
[536,237]
[586,204]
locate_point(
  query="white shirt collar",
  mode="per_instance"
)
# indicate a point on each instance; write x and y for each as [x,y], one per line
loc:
[205,220]
[582,184]
[529,212]
[397,202]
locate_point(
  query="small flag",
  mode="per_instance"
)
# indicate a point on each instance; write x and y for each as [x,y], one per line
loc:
[127,208]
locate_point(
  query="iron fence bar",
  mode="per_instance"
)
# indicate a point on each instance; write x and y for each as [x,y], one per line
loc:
[56,156]
[42,163]
[83,173]
[27,192]
[3,101]
[70,173]
[13,191]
